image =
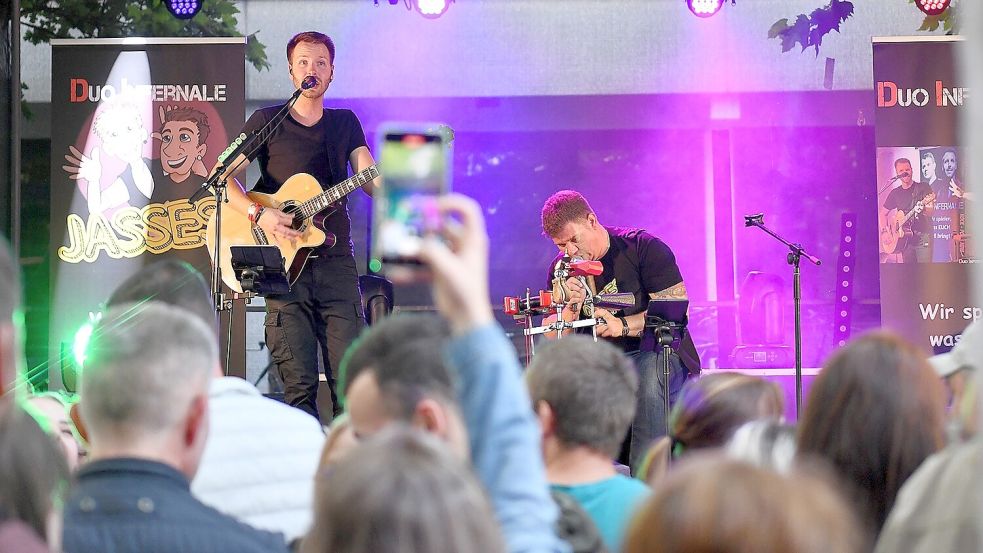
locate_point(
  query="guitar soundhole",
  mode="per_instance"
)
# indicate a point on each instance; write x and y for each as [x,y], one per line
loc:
[293,208]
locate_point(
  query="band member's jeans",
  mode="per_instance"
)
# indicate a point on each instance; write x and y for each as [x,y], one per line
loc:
[322,311]
[921,252]
[650,415]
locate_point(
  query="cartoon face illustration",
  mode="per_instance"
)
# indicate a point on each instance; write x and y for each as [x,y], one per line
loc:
[121,130]
[182,135]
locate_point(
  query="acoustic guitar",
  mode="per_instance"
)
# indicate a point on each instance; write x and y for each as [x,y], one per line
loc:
[302,197]
[897,233]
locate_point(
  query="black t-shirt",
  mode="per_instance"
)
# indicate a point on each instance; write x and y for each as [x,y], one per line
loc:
[166,190]
[187,221]
[321,150]
[904,199]
[639,263]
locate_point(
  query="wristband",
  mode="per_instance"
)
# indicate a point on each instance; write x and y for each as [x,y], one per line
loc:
[624,327]
[254,212]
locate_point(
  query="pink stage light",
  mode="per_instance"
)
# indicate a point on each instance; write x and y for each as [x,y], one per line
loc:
[932,7]
[706,8]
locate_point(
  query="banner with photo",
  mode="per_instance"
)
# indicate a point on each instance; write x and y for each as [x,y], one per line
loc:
[136,126]
[925,247]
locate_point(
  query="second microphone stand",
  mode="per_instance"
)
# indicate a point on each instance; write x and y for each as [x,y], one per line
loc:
[795,254]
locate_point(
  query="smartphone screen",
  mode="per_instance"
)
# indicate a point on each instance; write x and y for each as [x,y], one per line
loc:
[415,169]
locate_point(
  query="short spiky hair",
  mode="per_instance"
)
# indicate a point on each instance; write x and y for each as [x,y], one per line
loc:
[591,389]
[564,207]
[312,37]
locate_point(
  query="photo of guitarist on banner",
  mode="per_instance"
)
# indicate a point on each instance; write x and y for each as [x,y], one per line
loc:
[921,206]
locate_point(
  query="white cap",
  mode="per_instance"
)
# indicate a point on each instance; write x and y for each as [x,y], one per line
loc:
[965,354]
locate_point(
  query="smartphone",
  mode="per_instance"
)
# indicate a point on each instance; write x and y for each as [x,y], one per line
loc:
[415,163]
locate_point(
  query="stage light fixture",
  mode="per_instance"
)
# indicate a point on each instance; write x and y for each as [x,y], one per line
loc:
[704,8]
[432,9]
[932,7]
[183,9]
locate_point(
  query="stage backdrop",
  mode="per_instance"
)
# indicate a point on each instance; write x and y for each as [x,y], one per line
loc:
[925,293]
[137,124]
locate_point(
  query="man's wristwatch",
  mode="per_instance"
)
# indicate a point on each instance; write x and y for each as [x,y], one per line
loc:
[624,327]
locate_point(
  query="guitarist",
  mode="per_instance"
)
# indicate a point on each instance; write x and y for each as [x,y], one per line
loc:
[633,261]
[323,309]
[906,198]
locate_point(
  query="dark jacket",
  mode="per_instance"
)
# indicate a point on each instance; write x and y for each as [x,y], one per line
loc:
[140,506]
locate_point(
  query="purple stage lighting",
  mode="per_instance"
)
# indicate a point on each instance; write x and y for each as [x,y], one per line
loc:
[704,8]
[432,9]
[183,9]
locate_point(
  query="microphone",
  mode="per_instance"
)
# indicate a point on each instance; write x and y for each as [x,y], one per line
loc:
[752,220]
[904,175]
[579,268]
[308,83]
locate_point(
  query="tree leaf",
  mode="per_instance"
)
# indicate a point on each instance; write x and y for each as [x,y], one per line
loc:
[44,20]
[777,28]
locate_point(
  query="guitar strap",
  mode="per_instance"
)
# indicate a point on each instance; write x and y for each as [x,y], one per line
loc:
[331,151]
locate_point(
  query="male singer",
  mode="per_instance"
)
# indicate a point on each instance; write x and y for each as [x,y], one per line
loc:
[323,308]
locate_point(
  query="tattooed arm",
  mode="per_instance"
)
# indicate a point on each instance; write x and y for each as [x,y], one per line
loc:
[675,292]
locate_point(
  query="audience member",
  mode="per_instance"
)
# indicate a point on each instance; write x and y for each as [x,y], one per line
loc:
[710,504]
[51,411]
[261,455]
[764,443]
[583,392]
[467,388]
[875,412]
[145,402]
[575,526]
[938,508]
[33,480]
[708,412]
[339,443]
[11,320]
[401,491]
[957,368]
[413,384]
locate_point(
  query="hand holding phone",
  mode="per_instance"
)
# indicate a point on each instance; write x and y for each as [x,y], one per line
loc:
[416,164]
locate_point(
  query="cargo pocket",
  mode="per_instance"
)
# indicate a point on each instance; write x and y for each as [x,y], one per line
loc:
[276,338]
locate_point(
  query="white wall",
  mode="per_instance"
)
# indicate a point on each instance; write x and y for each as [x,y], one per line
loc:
[551,47]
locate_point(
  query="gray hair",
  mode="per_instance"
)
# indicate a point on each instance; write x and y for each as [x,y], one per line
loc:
[143,366]
[591,389]
[402,491]
[172,282]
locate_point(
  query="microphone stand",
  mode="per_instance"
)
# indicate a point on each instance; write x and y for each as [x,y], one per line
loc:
[217,183]
[796,252]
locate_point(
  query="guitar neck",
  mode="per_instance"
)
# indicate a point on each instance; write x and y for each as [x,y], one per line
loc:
[324,200]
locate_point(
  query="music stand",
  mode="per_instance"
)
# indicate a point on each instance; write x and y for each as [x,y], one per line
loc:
[665,322]
[259,269]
